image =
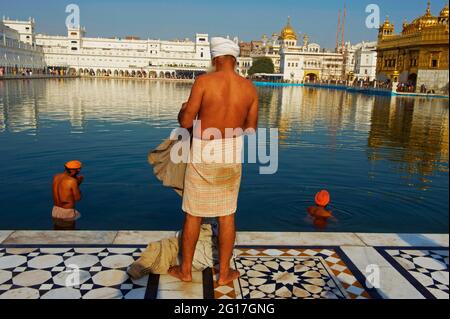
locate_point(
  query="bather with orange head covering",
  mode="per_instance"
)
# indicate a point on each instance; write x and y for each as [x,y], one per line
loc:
[319,213]
[66,192]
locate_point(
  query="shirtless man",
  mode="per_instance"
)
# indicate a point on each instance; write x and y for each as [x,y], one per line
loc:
[66,192]
[221,99]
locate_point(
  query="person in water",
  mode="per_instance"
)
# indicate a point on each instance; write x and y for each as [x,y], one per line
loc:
[319,212]
[66,192]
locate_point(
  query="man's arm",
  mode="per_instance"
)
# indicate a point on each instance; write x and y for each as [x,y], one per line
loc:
[251,122]
[75,190]
[190,109]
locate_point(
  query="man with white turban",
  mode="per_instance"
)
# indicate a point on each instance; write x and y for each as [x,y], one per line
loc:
[225,105]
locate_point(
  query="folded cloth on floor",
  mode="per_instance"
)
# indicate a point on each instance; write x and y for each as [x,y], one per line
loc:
[157,258]
[169,173]
[160,256]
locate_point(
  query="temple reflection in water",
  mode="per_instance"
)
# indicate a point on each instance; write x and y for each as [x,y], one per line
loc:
[414,131]
[411,132]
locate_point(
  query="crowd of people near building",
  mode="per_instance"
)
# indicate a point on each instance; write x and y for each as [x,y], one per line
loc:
[406,87]
[18,71]
[26,72]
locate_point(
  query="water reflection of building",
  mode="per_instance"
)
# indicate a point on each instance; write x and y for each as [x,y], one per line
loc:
[19,110]
[294,110]
[410,132]
[2,112]
[419,54]
[83,100]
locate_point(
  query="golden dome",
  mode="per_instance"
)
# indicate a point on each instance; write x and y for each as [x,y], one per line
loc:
[387,23]
[405,24]
[288,33]
[427,20]
[444,12]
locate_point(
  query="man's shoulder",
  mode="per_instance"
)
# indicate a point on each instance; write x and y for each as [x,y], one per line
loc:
[248,85]
[213,77]
[69,181]
[208,79]
[248,82]
[203,77]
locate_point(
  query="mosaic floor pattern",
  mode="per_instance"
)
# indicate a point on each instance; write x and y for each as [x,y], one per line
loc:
[306,273]
[426,269]
[97,271]
[69,273]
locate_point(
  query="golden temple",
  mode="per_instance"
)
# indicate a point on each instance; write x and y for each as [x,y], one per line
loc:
[418,55]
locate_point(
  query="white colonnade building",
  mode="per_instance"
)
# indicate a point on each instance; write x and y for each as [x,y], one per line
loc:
[18,51]
[77,54]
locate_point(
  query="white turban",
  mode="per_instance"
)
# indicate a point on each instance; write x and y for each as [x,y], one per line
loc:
[221,46]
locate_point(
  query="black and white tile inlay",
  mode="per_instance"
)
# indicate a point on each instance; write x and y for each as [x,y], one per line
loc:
[426,268]
[287,277]
[69,273]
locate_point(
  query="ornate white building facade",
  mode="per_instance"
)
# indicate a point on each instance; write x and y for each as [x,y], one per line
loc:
[307,62]
[18,51]
[365,68]
[300,62]
[128,57]
[243,65]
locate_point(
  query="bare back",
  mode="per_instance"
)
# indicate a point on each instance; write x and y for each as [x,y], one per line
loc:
[226,101]
[65,191]
[221,100]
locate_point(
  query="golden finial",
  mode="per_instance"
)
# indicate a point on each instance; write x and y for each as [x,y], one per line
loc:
[444,11]
[429,7]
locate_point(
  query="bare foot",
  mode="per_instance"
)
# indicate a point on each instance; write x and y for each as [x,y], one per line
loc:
[229,277]
[177,273]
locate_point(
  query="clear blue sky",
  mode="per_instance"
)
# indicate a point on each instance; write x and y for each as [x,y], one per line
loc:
[248,19]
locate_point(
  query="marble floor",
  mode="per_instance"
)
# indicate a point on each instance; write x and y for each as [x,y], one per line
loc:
[413,267]
[69,273]
[426,269]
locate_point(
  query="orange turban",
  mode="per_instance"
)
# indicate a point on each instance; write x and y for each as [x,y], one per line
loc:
[322,198]
[73,165]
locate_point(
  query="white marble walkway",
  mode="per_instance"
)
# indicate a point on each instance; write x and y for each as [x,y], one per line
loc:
[272,265]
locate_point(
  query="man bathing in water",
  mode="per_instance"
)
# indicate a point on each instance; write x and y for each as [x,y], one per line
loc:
[319,212]
[221,99]
[66,192]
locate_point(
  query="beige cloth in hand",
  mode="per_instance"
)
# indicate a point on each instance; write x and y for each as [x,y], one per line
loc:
[160,256]
[169,173]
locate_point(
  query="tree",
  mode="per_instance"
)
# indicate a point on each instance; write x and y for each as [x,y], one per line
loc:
[262,65]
